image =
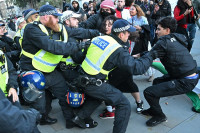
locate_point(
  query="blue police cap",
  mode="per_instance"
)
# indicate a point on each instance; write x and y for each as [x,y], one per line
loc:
[29,12]
[121,25]
[48,10]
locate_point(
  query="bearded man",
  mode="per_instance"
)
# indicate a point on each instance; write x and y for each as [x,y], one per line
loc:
[44,44]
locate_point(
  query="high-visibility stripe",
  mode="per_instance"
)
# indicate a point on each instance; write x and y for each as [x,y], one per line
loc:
[44,62]
[92,65]
[102,58]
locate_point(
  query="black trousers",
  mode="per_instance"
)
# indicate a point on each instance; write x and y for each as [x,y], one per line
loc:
[112,96]
[166,86]
[56,84]
[90,103]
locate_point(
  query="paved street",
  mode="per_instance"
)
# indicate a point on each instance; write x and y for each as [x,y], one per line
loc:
[177,108]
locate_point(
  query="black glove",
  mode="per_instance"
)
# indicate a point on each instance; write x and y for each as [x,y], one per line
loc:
[84,45]
[157,54]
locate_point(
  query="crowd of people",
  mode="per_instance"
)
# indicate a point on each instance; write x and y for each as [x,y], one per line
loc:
[94,50]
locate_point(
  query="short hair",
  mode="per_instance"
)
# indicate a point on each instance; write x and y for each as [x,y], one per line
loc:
[168,22]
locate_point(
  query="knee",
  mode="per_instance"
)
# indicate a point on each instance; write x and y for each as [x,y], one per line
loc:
[147,91]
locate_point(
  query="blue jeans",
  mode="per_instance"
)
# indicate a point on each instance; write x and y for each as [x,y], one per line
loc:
[191,29]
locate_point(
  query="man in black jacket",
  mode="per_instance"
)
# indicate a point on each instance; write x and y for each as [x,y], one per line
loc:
[70,68]
[11,49]
[105,54]
[180,65]
[42,37]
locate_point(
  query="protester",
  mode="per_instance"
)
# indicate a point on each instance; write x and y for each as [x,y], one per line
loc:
[180,65]
[95,21]
[121,12]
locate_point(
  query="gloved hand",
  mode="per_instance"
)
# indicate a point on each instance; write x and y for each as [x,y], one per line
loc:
[84,45]
[157,54]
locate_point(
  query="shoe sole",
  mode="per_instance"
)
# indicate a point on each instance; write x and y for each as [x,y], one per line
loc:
[154,124]
[107,117]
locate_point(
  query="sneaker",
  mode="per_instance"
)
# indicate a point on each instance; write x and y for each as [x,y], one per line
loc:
[139,107]
[147,112]
[155,120]
[194,110]
[107,115]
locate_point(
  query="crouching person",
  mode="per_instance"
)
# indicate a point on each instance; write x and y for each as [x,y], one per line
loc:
[180,65]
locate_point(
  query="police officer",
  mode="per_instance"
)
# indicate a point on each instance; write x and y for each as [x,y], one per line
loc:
[30,15]
[181,68]
[44,44]
[8,79]
[70,64]
[19,24]
[105,54]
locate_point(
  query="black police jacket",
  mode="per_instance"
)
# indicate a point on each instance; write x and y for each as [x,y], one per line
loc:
[177,60]
[93,22]
[77,35]
[12,80]
[34,40]
[13,119]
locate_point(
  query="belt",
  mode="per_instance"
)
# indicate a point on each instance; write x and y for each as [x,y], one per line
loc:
[84,80]
[65,67]
[193,77]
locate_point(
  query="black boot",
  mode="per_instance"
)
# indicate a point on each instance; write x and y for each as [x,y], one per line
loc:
[90,123]
[46,120]
[78,121]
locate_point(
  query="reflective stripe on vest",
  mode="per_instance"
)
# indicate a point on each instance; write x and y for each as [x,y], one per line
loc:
[69,61]
[99,51]
[4,76]
[43,60]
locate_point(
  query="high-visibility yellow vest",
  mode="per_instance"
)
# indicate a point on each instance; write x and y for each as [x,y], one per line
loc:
[43,60]
[99,51]
[19,34]
[3,74]
[69,61]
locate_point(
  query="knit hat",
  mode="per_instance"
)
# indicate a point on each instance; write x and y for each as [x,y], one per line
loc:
[48,10]
[107,4]
[29,12]
[69,14]
[121,25]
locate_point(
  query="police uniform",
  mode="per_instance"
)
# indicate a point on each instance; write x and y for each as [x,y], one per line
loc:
[8,76]
[105,54]
[42,49]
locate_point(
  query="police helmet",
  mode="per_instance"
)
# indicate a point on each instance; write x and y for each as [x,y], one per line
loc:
[75,99]
[33,85]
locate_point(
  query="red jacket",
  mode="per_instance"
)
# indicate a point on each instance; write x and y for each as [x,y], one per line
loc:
[179,17]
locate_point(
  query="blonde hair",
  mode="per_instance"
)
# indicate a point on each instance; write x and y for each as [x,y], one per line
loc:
[139,11]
